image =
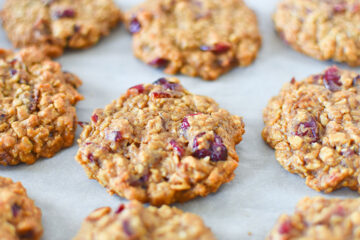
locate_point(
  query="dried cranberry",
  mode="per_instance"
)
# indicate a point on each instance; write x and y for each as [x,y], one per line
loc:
[332,79]
[166,84]
[139,88]
[91,157]
[120,209]
[82,124]
[34,100]
[185,124]
[66,13]
[15,208]
[127,228]
[340,210]
[339,7]
[141,181]
[159,62]
[13,72]
[347,152]
[221,48]
[179,150]
[218,48]
[134,26]
[161,95]
[218,150]
[293,81]
[356,79]
[94,118]
[114,136]
[309,129]
[76,28]
[285,227]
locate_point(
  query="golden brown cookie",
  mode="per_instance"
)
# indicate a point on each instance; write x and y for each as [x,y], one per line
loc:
[314,127]
[158,143]
[52,25]
[134,221]
[321,219]
[37,112]
[322,29]
[20,219]
[203,38]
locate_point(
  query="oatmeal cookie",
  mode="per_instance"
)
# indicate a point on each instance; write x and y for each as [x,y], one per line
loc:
[133,221]
[314,127]
[37,113]
[158,143]
[20,219]
[321,219]
[203,38]
[322,29]
[53,25]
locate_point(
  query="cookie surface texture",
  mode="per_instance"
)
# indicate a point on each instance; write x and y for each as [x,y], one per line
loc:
[158,143]
[52,25]
[134,221]
[321,219]
[37,112]
[203,38]
[20,219]
[314,127]
[325,30]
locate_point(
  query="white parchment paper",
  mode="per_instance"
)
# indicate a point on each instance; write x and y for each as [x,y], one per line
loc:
[245,208]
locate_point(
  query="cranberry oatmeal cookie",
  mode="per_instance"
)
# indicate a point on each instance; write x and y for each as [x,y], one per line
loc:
[203,38]
[314,127]
[37,113]
[53,25]
[158,143]
[321,219]
[322,29]
[134,221]
[20,219]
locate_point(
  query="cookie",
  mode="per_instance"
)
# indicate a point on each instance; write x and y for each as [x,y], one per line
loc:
[203,38]
[320,218]
[314,127]
[158,143]
[20,219]
[322,29]
[133,221]
[37,113]
[53,25]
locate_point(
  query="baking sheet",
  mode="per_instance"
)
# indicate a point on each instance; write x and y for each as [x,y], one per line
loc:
[245,208]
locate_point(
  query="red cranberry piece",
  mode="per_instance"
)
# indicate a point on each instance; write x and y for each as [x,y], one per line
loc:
[293,81]
[159,62]
[199,153]
[309,129]
[332,79]
[120,209]
[66,13]
[356,79]
[82,124]
[221,48]
[340,210]
[285,227]
[218,48]
[127,228]
[76,28]
[161,95]
[179,150]
[140,88]
[91,157]
[218,150]
[339,7]
[13,72]
[94,118]
[15,209]
[185,124]
[114,136]
[166,84]
[134,26]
